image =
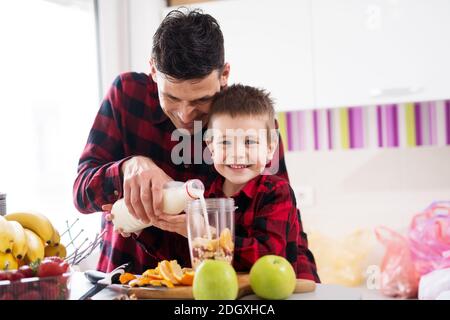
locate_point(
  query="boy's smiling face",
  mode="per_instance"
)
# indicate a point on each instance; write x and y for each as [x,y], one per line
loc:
[240,147]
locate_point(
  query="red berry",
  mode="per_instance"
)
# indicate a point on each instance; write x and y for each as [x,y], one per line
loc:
[16,275]
[10,275]
[26,271]
[4,275]
[49,268]
[65,266]
[54,258]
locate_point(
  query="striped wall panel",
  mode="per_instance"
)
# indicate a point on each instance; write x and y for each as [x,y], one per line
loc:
[378,126]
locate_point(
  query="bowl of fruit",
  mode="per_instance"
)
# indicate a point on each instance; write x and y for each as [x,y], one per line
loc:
[47,279]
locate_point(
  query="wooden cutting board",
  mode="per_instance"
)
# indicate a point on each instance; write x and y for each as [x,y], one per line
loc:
[185,292]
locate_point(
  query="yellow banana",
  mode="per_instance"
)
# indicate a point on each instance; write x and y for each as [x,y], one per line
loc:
[58,251]
[20,246]
[6,236]
[36,222]
[35,246]
[55,238]
[7,262]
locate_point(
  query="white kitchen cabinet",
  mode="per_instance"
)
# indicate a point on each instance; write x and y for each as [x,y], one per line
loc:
[268,44]
[334,53]
[380,51]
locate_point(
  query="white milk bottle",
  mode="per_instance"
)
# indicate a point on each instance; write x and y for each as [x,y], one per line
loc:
[176,194]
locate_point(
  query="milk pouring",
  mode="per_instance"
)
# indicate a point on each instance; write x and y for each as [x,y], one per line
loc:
[176,195]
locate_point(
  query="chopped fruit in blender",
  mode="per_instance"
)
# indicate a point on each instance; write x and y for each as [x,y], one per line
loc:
[215,249]
[225,240]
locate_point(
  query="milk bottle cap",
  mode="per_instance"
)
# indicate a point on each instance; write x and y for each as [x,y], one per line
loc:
[194,188]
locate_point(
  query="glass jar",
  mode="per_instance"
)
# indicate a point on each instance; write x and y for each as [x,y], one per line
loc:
[210,229]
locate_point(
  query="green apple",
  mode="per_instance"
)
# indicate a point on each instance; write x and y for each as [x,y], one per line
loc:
[272,277]
[215,280]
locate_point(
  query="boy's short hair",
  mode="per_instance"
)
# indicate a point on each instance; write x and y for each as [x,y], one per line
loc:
[188,45]
[240,100]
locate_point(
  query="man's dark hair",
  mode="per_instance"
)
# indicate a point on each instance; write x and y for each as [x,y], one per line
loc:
[188,45]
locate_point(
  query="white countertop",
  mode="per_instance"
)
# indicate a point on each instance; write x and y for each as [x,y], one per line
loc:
[80,285]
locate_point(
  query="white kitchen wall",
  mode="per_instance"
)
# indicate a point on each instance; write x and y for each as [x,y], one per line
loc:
[126,29]
[366,188]
[113,40]
[145,18]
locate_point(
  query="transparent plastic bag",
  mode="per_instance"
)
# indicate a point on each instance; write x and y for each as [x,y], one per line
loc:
[341,260]
[429,236]
[398,275]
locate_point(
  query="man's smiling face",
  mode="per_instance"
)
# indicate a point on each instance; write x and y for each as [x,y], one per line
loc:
[186,101]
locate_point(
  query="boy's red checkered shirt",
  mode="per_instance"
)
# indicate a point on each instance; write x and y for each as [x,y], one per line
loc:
[267,221]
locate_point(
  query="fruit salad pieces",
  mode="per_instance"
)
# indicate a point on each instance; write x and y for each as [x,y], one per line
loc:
[216,249]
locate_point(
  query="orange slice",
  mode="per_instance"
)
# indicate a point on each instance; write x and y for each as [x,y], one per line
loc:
[126,277]
[155,277]
[167,283]
[134,283]
[144,281]
[188,278]
[152,274]
[166,273]
[156,283]
[149,272]
[176,270]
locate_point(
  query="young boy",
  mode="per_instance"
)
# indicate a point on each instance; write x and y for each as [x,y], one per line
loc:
[242,141]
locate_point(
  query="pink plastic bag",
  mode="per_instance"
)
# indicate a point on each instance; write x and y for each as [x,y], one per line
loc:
[429,237]
[398,275]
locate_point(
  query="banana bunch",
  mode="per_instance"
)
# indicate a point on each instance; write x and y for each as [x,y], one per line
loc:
[27,236]
[6,236]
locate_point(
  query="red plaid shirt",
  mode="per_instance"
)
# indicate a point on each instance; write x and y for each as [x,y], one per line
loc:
[131,122]
[267,221]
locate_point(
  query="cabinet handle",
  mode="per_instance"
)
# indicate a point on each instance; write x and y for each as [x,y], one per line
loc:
[395,91]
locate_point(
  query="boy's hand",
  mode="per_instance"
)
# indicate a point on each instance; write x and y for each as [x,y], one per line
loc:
[173,223]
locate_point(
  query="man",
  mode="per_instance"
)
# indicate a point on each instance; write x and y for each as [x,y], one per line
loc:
[129,150]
